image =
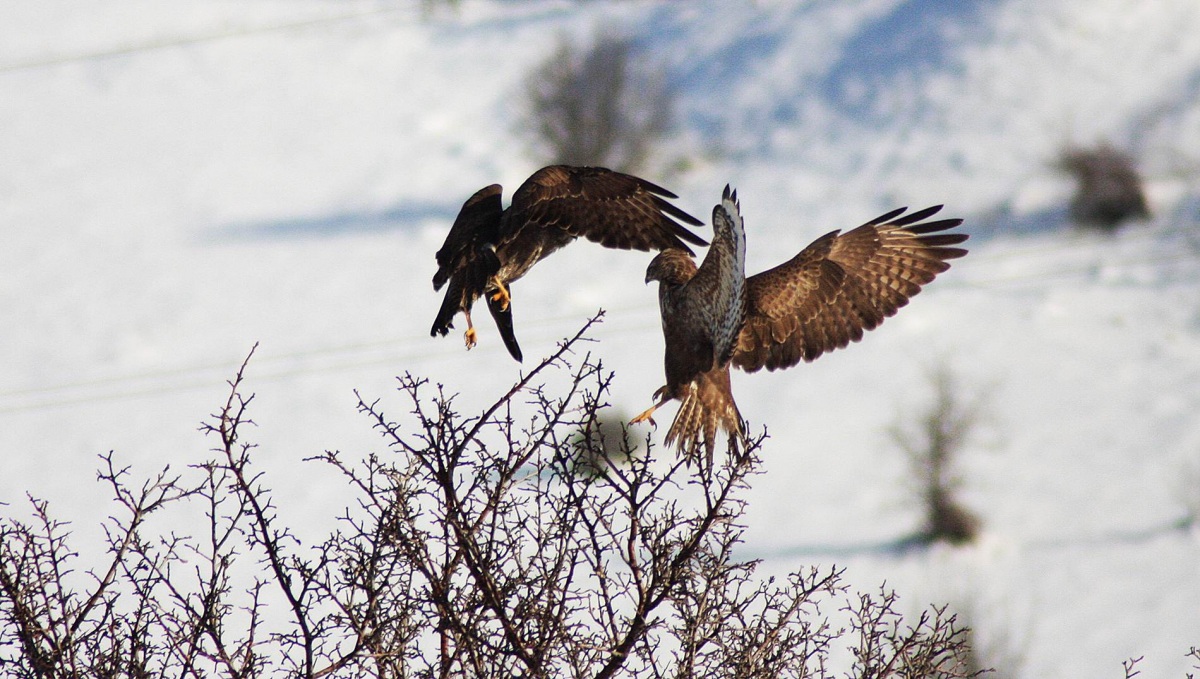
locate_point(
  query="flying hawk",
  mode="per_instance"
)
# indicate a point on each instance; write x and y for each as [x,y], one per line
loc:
[820,300]
[489,247]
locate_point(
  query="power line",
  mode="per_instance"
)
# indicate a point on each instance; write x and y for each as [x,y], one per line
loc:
[639,318]
[1059,244]
[182,41]
[279,367]
[1092,270]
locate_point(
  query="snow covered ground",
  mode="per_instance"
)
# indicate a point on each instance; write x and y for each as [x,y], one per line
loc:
[180,181]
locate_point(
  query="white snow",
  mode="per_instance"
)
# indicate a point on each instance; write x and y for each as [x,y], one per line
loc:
[182,180]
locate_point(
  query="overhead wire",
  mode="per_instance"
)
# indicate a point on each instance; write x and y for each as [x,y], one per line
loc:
[413,349]
[1058,244]
[404,349]
[270,367]
[1108,268]
[182,41]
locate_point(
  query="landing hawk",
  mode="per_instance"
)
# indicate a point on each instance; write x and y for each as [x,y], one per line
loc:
[489,247]
[820,300]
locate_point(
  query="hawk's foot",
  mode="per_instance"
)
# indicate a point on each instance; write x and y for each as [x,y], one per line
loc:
[469,337]
[662,395]
[501,295]
[646,417]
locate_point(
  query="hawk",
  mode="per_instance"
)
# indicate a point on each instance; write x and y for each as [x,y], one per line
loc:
[489,247]
[820,300]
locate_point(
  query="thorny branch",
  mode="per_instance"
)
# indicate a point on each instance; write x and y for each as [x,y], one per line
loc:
[515,542]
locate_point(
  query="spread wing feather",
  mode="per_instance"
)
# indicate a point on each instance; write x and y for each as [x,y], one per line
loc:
[613,209]
[840,286]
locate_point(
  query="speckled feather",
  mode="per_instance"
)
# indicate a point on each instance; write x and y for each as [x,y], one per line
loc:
[841,286]
[822,299]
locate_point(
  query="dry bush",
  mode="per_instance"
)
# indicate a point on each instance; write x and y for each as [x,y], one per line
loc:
[933,444]
[1108,186]
[473,547]
[889,648]
[594,106]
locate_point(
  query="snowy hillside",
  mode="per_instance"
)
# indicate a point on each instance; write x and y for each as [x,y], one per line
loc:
[183,180]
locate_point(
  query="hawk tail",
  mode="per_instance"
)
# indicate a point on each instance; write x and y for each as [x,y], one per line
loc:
[706,407]
[504,323]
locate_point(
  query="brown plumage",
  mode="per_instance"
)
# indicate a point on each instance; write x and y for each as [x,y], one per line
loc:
[489,247]
[820,300]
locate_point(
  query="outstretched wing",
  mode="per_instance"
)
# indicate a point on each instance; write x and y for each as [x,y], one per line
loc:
[613,209]
[840,286]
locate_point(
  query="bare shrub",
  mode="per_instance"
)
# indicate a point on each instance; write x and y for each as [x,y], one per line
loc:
[889,648]
[932,446]
[593,106]
[1108,186]
[474,548]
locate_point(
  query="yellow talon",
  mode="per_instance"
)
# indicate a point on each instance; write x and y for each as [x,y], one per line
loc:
[645,417]
[469,336]
[662,394]
[501,295]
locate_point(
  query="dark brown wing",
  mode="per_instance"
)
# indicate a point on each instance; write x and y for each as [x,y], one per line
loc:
[840,286]
[466,259]
[477,224]
[610,208]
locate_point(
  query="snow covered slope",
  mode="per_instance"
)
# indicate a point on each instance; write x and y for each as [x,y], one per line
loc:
[183,180]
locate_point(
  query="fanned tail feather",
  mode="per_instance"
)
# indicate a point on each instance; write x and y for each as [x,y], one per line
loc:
[706,407]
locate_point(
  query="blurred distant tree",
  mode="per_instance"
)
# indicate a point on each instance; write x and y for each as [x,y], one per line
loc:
[597,105]
[1108,187]
[933,445]
[477,547]
[429,6]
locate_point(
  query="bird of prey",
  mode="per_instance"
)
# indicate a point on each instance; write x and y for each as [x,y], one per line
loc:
[489,247]
[820,300]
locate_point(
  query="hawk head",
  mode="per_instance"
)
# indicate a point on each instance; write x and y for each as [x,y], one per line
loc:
[671,267]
